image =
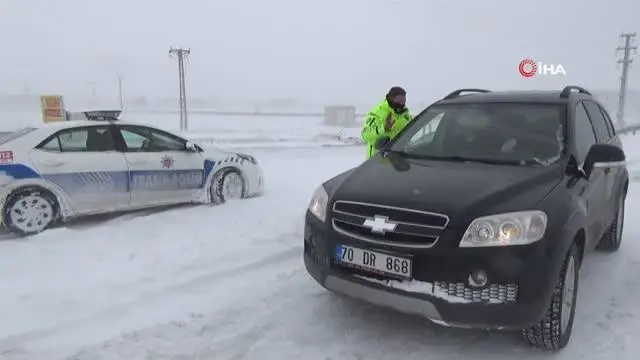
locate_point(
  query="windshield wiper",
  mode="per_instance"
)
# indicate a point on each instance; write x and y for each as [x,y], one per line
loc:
[397,152]
[480,160]
[474,159]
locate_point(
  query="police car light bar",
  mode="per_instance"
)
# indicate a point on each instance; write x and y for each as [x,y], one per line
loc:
[103,115]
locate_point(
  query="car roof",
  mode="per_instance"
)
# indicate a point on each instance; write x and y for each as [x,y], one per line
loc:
[55,126]
[528,96]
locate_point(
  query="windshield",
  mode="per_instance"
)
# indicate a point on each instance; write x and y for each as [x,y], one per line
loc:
[5,137]
[509,133]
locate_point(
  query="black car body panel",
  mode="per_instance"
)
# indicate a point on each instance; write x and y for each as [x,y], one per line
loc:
[444,187]
[433,201]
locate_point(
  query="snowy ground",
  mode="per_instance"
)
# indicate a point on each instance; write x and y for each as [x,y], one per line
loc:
[228,282]
[228,131]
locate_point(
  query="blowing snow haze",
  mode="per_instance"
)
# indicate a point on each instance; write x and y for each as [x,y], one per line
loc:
[329,50]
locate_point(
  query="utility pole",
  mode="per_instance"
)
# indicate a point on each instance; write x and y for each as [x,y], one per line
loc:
[120,93]
[626,62]
[182,54]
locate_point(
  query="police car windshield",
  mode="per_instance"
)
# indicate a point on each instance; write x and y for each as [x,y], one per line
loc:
[501,133]
[5,137]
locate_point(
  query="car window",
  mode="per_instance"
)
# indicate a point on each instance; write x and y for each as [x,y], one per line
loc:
[51,145]
[425,134]
[607,118]
[598,122]
[583,134]
[513,133]
[144,139]
[87,139]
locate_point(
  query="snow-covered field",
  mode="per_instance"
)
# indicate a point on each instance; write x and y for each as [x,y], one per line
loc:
[227,282]
[228,131]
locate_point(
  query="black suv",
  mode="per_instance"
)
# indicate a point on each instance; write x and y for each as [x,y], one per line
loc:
[478,214]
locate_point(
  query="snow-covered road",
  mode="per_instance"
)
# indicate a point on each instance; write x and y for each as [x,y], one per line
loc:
[228,282]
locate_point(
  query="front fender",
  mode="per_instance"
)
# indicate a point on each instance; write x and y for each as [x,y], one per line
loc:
[575,224]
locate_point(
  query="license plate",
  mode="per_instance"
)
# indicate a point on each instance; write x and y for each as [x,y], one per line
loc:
[374,261]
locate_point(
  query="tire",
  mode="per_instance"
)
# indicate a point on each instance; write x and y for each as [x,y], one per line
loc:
[220,192]
[29,211]
[554,330]
[612,239]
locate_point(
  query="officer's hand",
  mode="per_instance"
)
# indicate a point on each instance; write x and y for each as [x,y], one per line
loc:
[388,123]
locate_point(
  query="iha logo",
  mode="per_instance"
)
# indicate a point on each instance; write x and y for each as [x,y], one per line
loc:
[529,68]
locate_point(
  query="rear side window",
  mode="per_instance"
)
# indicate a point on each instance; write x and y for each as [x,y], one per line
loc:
[89,139]
[6,137]
[598,121]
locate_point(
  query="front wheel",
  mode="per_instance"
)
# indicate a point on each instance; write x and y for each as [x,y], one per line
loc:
[554,330]
[227,185]
[29,211]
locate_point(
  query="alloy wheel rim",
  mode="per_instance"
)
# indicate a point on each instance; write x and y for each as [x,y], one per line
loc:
[31,214]
[568,292]
[620,221]
[232,186]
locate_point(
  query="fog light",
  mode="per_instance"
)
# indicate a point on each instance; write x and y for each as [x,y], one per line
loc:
[478,278]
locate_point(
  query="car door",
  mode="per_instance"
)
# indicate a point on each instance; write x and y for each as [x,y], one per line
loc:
[83,162]
[609,174]
[161,169]
[593,189]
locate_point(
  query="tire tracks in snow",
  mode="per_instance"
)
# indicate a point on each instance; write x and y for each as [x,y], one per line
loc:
[12,344]
[230,334]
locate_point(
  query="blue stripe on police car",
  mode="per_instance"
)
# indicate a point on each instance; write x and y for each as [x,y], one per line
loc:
[115,181]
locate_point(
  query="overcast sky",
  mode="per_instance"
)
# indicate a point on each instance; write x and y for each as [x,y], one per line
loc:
[333,50]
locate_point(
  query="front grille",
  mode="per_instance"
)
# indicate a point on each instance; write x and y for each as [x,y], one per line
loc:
[494,293]
[414,228]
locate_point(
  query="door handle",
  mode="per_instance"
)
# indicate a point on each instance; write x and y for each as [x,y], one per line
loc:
[607,170]
[53,163]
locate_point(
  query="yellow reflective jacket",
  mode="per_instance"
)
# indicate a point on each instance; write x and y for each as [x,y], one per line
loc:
[373,128]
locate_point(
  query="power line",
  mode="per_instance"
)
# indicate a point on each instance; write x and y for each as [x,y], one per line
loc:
[182,54]
[626,62]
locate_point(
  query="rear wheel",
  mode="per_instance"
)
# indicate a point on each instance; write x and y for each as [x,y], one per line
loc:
[29,211]
[554,330]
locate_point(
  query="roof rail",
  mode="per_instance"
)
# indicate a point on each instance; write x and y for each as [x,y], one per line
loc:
[567,91]
[102,115]
[460,91]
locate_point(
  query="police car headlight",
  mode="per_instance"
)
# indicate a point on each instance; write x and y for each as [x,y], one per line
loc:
[318,204]
[516,228]
[248,158]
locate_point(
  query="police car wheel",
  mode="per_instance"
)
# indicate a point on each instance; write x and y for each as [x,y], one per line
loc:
[29,211]
[227,185]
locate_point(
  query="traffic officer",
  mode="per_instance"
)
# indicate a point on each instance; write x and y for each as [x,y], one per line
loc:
[386,119]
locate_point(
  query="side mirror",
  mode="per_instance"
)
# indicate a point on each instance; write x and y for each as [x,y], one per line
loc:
[381,143]
[603,156]
[191,147]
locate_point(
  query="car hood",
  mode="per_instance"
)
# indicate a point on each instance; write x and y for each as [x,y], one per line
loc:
[459,190]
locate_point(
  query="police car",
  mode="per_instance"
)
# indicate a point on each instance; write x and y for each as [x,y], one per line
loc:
[68,169]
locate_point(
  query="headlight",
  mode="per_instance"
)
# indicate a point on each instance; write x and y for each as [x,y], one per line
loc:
[248,158]
[318,204]
[516,228]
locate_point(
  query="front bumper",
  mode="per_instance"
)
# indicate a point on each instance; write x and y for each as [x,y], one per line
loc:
[255,178]
[444,295]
